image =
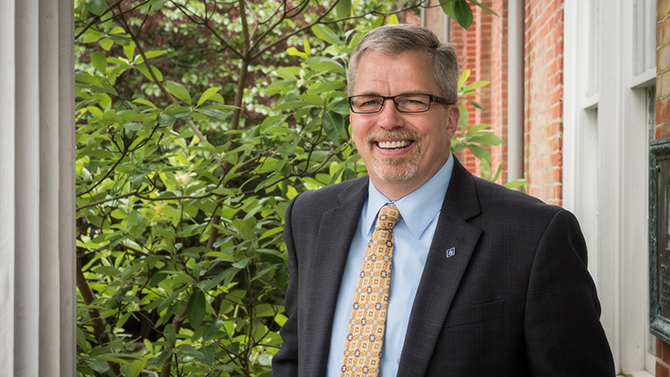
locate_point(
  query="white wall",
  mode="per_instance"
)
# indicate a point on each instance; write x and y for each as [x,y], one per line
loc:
[37,252]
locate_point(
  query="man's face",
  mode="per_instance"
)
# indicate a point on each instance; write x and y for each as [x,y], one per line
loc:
[401,151]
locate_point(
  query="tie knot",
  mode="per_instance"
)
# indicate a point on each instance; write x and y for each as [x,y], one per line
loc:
[388,217]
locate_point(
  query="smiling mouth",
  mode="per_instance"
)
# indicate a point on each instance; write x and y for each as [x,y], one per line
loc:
[396,144]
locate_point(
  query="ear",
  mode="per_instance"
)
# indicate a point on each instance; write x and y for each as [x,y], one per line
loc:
[454,113]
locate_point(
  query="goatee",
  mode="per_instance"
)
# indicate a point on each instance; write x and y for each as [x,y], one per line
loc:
[381,166]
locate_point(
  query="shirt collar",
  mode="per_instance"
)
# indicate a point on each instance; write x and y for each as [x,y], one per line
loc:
[417,208]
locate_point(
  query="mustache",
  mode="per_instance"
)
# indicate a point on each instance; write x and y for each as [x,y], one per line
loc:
[402,134]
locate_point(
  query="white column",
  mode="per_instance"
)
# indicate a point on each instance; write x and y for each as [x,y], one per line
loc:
[515,83]
[37,217]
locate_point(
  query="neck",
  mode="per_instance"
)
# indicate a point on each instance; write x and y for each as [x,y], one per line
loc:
[394,191]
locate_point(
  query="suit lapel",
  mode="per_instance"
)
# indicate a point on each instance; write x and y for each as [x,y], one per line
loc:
[442,275]
[336,231]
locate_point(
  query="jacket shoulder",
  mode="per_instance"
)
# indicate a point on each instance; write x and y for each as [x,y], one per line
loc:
[493,195]
[329,197]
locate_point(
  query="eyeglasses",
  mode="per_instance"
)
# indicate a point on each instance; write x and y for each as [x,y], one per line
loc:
[404,103]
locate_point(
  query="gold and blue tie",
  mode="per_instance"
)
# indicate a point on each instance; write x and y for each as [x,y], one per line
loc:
[365,334]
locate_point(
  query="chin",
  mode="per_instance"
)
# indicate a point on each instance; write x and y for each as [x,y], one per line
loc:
[394,173]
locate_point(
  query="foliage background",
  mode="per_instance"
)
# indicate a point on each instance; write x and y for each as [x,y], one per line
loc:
[196,123]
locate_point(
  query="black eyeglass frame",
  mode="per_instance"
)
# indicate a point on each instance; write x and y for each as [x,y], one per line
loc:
[431,99]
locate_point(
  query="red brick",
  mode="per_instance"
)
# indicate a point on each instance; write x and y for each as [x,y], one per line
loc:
[659,349]
[662,370]
[664,89]
[666,352]
[662,131]
[663,32]
[662,111]
[663,9]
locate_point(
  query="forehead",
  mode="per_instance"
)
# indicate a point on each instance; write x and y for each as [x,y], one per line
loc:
[407,72]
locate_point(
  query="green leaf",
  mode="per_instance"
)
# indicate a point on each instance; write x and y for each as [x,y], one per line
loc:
[291,105]
[477,129]
[143,69]
[295,52]
[271,232]
[106,44]
[475,104]
[99,366]
[214,114]
[170,334]
[157,5]
[97,7]
[166,120]
[323,64]
[343,9]
[333,124]
[99,61]
[286,74]
[479,152]
[167,302]
[463,13]
[475,85]
[132,126]
[241,264]
[133,219]
[136,368]
[91,36]
[209,355]
[144,102]
[107,270]
[328,86]
[325,33]
[208,285]
[465,117]
[312,98]
[393,20]
[498,171]
[490,139]
[81,339]
[448,8]
[208,94]
[129,51]
[196,308]
[179,91]
[515,183]
[464,77]
[477,3]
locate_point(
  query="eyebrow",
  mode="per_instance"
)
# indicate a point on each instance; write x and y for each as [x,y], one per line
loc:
[399,94]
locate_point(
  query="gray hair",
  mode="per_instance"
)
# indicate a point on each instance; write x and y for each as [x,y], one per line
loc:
[396,39]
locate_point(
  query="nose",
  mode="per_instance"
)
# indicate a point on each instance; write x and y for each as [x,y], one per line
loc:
[389,117]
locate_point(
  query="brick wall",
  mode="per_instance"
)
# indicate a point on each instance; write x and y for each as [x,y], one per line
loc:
[663,129]
[663,70]
[475,49]
[499,84]
[483,50]
[543,96]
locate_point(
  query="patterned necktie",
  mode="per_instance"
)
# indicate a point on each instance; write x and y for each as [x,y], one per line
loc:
[365,335]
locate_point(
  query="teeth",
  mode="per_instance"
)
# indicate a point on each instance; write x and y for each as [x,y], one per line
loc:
[394,144]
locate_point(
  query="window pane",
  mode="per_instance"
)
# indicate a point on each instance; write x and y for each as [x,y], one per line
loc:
[645,36]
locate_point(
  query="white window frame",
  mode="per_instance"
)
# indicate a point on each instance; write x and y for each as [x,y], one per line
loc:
[619,145]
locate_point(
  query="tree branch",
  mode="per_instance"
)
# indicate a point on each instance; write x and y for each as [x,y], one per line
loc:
[138,195]
[99,326]
[96,19]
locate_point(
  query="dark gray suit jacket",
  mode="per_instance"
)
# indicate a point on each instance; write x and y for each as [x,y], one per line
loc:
[515,300]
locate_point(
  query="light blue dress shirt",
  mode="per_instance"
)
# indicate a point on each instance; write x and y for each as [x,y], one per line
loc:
[412,235]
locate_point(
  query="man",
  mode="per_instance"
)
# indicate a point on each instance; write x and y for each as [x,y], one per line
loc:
[484,281]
